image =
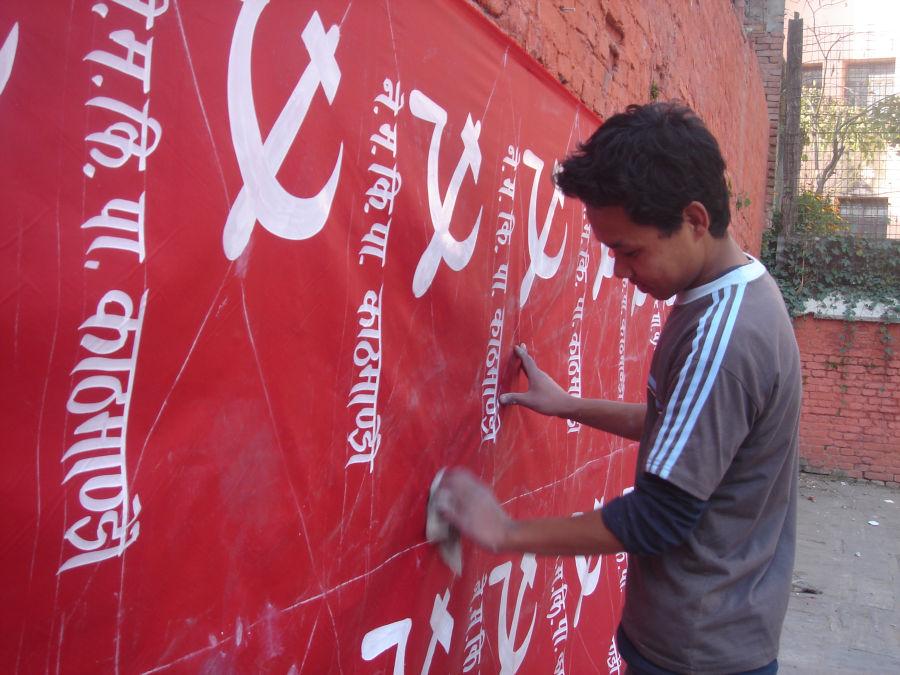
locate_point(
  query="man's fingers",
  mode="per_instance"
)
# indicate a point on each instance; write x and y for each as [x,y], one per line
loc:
[522,398]
[530,367]
[444,503]
[528,363]
[457,481]
[457,476]
[509,399]
[516,398]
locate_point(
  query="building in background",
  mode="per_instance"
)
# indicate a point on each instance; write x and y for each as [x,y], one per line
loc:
[850,111]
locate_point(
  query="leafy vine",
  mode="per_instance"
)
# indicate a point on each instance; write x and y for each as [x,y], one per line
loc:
[822,261]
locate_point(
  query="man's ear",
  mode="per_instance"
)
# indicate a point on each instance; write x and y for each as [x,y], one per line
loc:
[697,217]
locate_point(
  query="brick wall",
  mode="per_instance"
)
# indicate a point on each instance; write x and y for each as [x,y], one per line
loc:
[764,26]
[850,424]
[768,48]
[610,53]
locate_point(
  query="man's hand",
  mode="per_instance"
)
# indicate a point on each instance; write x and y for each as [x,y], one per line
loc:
[470,506]
[547,397]
[543,395]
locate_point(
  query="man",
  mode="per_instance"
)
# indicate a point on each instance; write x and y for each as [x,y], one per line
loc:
[710,525]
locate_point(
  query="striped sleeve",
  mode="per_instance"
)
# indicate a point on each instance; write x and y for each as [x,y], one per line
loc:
[708,413]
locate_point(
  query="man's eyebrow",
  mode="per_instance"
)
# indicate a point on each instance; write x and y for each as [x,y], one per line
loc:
[616,244]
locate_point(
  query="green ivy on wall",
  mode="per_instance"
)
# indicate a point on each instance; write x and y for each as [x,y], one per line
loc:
[836,266]
[820,260]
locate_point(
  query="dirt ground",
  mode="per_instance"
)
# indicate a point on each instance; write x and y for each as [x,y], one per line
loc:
[843,615]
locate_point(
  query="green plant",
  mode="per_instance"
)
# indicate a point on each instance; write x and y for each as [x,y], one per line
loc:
[833,129]
[847,335]
[884,335]
[821,262]
[816,215]
[741,200]
[654,91]
[835,266]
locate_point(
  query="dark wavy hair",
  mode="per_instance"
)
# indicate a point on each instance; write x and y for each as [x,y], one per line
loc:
[652,160]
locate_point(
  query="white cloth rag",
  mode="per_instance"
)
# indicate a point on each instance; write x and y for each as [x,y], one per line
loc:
[439,531]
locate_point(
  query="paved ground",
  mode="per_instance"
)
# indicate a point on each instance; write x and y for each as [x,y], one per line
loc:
[843,615]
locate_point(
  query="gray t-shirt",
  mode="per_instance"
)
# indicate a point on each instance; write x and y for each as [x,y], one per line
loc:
[723,407]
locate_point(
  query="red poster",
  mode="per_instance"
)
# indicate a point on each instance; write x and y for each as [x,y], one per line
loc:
[264,263]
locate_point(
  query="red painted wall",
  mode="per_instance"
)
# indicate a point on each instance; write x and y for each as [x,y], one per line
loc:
[850,424]
[233,322]
[610,53]
[226,389]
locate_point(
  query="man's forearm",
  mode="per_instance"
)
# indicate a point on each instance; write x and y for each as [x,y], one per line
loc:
[577,535]
[615,417]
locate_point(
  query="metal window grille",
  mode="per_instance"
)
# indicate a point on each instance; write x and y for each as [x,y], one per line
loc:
[811,75]
[866,217]
[845,72]
[868,81]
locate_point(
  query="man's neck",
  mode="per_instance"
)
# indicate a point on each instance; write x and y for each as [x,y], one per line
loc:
[723,254]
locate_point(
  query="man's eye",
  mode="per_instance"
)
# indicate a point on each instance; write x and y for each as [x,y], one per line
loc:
[630,254]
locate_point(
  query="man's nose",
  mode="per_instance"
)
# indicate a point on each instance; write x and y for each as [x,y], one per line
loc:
[620,269]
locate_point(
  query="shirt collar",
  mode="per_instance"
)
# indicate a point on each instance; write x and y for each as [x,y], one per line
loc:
[739,275]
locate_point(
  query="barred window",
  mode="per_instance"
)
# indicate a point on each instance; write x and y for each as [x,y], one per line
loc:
[866,216]
[811,75]
[868,81]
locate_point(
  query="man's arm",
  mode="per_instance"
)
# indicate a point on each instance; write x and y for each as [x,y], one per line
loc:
[654,518]
[585,534]
[470,506]
[547,397]
[615,417]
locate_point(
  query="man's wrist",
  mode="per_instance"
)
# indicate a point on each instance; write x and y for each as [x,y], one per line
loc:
[566,407]
[511,536]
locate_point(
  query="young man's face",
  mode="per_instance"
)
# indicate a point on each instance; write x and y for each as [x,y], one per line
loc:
[658,264]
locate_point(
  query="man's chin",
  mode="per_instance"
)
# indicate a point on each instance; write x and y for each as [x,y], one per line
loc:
[646,290]
[655,294]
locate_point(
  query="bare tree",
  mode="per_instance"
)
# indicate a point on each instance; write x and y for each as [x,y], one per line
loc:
[842,122]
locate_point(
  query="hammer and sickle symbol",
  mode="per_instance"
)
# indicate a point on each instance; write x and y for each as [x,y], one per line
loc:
[443,247]
[588,576]
[8,55]
[262,197]
[541,264]
[511,657]
[605,271]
